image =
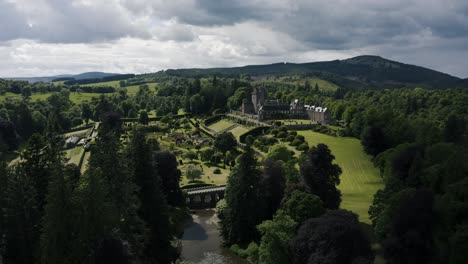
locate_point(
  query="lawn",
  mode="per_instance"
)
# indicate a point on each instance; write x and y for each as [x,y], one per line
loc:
[74,155]
[360,179]
[221,125]
[84,166]
[239,130]
[131,90]
[208,175]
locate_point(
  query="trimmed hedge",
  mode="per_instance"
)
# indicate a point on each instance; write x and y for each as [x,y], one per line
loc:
[213,119]
[254,132]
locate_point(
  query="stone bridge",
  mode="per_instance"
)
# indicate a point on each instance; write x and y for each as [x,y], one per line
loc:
[204,197]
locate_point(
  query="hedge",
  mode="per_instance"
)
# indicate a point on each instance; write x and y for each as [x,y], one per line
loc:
[254,132]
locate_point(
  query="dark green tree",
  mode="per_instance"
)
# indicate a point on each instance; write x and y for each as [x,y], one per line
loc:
[21,217]
[55,241]
[321,175]
[301,206]
[166,165]
[143,118]
[225,142]
[153,207]
[272,185]
[36,164]
[244,208]
[86,112]
[335,237]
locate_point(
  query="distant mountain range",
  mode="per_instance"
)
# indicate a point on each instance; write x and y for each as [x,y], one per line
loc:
[361,71]
[81,76]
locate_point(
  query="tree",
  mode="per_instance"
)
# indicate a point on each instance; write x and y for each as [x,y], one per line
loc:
[8,134]
[321,175]
[115,169]
[191,155]
[243,210]
[153,208]
[225,142]
[410,228]
[24,121]
[21,216]
[206,154]
[36,164]
[166,165]
[373,140]
[193,172]
[197,103]
[279,152]
[273,183]
[86,112]
[454,128]
[143,118]
[276,233]
[56,223]
[301,206]
[95,216]
[335,237]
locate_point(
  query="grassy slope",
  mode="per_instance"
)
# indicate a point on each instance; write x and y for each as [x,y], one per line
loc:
[360,179]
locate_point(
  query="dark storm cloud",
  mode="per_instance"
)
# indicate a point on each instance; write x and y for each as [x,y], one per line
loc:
[12,24]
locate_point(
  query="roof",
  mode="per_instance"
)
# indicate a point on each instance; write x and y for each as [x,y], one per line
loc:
[272,108]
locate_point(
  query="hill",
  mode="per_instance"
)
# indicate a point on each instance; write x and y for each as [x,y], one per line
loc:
[361,71]
[81,76]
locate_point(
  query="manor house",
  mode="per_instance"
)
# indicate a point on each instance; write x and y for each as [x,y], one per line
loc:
[265,109]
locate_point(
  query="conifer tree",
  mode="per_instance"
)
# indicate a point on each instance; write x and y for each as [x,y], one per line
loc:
[94,215]
[21,217]
[153,207]
[108,158]
[244,208]
[36,165]
[56,222]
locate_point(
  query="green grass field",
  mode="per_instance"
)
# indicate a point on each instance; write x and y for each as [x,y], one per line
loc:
[115,84]
[78,98]
[239,130]
[74,155]
[221,125]
[360,179]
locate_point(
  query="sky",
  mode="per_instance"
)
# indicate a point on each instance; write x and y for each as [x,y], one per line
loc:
[50,37]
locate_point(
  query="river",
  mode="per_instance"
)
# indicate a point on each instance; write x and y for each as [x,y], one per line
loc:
[202,242]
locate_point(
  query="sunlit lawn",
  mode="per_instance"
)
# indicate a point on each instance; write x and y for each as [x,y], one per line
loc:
[221,125]
[360,179]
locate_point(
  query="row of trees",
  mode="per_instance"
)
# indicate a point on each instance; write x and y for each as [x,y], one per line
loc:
[124,208]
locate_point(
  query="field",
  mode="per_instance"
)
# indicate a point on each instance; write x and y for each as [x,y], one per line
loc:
[221,125]
[360,179]
[77,97]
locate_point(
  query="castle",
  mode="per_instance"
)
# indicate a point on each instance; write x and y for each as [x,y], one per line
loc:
[266,109]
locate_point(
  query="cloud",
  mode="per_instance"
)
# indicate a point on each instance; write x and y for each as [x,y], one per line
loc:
[51,36]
